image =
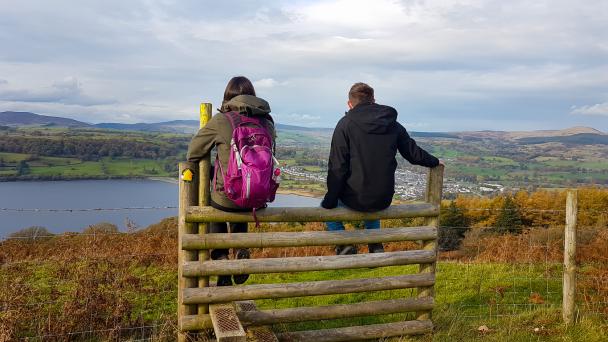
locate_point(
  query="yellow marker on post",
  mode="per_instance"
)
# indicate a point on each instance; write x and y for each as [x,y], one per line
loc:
[187,175]
[205,115]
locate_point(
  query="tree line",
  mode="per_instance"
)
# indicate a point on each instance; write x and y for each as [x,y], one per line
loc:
[90,149]
[514,213]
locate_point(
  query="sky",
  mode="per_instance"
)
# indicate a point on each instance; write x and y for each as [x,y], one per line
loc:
[445,65]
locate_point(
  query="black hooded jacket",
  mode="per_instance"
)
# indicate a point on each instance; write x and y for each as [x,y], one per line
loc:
[362,160]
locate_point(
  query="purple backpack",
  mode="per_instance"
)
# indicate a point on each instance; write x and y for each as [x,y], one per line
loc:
[251,179]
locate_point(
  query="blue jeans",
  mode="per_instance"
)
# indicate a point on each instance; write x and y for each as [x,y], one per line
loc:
[337,225]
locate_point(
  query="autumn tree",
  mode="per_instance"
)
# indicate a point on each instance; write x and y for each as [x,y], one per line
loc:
[23,168]
[509,219]
[452,227]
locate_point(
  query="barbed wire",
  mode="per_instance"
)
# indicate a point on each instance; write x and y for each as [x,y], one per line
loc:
[70,210]
[98,331]
[175,207]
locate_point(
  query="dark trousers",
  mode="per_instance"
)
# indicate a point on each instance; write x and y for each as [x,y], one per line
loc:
[222,227]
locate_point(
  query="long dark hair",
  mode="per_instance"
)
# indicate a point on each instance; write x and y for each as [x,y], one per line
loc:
[239,85]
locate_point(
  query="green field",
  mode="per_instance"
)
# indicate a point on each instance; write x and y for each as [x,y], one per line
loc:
[147,154]
[68,168]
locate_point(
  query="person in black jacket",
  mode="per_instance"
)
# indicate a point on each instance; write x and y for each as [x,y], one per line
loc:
[362,164]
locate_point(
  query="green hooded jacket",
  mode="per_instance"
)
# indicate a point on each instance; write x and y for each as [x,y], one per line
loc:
[218,132]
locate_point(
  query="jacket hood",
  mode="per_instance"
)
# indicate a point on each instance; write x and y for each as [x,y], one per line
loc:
[373,118]
[246,104]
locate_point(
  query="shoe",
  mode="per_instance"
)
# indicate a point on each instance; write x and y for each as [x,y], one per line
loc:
[224,280]
[241,278]
[375,248]
[346,250]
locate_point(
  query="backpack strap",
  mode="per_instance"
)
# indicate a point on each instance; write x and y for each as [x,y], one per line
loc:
[234,118]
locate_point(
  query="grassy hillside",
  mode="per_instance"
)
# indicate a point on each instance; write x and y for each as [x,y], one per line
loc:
[104,285]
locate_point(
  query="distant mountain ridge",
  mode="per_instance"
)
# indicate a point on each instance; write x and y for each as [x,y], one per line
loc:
[31,119]
[573,135]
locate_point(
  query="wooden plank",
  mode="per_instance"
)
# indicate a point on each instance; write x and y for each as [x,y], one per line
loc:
[226,324]
[373,331]
[305,264]
[303,239]
[569,285]
[204,197]
[195,322]
[311,214]
[434,188]
[311,288]
[253,317]
[301,314]
[187,196]
[258,333]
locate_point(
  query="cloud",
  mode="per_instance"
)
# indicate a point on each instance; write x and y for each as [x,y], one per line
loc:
[66,91]
[598,109]
[300,119]
[268,83]
[449,63]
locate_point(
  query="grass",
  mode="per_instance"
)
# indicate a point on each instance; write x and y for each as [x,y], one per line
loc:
[13,157]
[468,296]
[123,281]
[500,161]
[511,299]
[134,167]
[312,168]
[82,169]
[443,152]
[67,168]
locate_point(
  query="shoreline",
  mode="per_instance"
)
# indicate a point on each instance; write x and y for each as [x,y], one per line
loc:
[299,193]
[171,180]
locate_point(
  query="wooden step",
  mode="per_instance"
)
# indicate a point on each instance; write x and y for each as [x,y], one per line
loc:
[255,334]
[226,324]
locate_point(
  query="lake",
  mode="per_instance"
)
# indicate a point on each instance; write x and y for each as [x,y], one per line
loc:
[83,198]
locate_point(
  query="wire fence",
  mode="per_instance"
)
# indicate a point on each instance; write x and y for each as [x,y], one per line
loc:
[112,285]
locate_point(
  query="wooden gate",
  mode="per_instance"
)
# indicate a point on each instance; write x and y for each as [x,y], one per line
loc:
[230,310]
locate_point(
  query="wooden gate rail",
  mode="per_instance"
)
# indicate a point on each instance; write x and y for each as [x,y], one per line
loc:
[195,295]
[302,239]
[303,314]
[295,214]
[222,294]
[305,264]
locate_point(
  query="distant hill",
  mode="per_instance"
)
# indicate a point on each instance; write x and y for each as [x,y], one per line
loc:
[575,139]
[573,135]
[14,119]
[524,136]
[283,127]
[433,135]
[175,126]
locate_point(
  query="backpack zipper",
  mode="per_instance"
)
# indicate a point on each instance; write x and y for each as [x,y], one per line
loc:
[248,185]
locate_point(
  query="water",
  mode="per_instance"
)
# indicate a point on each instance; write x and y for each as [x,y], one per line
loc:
[91,194]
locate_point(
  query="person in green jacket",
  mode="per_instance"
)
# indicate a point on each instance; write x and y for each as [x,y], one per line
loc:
[239,96]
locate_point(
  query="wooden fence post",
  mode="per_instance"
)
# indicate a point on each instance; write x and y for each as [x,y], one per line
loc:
[203,199]
[569,286]
[188,193]
[434,187]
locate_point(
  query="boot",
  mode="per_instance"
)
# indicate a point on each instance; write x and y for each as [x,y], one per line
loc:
[346,250]
[375,248]
[241,278]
